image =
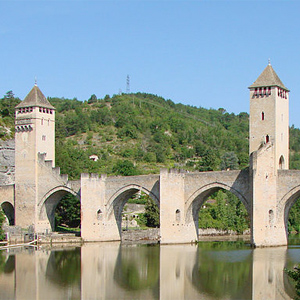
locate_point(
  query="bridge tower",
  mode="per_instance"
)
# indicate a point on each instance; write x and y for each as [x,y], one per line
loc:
[269,152]
[269,116]
[34,133]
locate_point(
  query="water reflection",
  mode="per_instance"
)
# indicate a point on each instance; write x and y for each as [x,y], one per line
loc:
[120,272]
[64,267]
[137,267]
[224,270]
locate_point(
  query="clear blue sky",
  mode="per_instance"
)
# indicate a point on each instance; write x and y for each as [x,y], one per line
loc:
[201,53]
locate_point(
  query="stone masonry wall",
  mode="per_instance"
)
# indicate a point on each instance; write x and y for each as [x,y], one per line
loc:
[7,162]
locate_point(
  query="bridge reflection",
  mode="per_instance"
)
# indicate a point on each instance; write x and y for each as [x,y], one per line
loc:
[115,271]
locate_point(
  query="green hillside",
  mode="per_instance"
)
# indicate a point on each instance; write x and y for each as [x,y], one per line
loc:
[141,133]
[146,132]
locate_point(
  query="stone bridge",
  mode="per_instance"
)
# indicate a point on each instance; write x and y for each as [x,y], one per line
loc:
[179,196]
[267,188]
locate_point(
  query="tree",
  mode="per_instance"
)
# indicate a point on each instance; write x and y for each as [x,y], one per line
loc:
[8,104]
[67,212]
[229,161]
[124,168]
[294,217]
[225,213]
[2,219]
[92,99]
[210,160]
[151,213]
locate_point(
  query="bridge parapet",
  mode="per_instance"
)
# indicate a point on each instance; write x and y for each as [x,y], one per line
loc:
[7,194]
[55,171]
[75,185]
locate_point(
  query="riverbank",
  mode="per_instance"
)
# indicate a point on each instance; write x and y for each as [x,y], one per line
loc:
[131,235]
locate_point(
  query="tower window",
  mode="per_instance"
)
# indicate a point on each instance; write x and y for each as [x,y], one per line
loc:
[177,215]
[271,217]
[99,213]
[267,138]
[281,162]
[262,116]
[43,138]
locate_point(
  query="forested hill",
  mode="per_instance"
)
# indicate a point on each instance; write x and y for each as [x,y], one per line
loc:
[141,133]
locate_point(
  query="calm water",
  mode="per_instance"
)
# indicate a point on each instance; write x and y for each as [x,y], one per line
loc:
[211,270]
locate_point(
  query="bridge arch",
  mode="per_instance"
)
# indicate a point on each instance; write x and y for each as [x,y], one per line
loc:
[48,203]
[119,198]
[285,204]
[117,201]
[195,201]
[9,212]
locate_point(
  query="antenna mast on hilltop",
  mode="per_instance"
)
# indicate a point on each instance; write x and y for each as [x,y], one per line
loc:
[128,84]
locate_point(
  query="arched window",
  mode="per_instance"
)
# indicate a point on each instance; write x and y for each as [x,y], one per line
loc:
[271,217]
[267,138]
[281,162]
[99,212]
[177,213]
[262,116]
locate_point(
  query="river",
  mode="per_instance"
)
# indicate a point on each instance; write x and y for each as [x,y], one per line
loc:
[209,270]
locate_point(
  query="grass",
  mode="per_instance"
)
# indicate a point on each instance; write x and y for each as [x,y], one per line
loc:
[60,228]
